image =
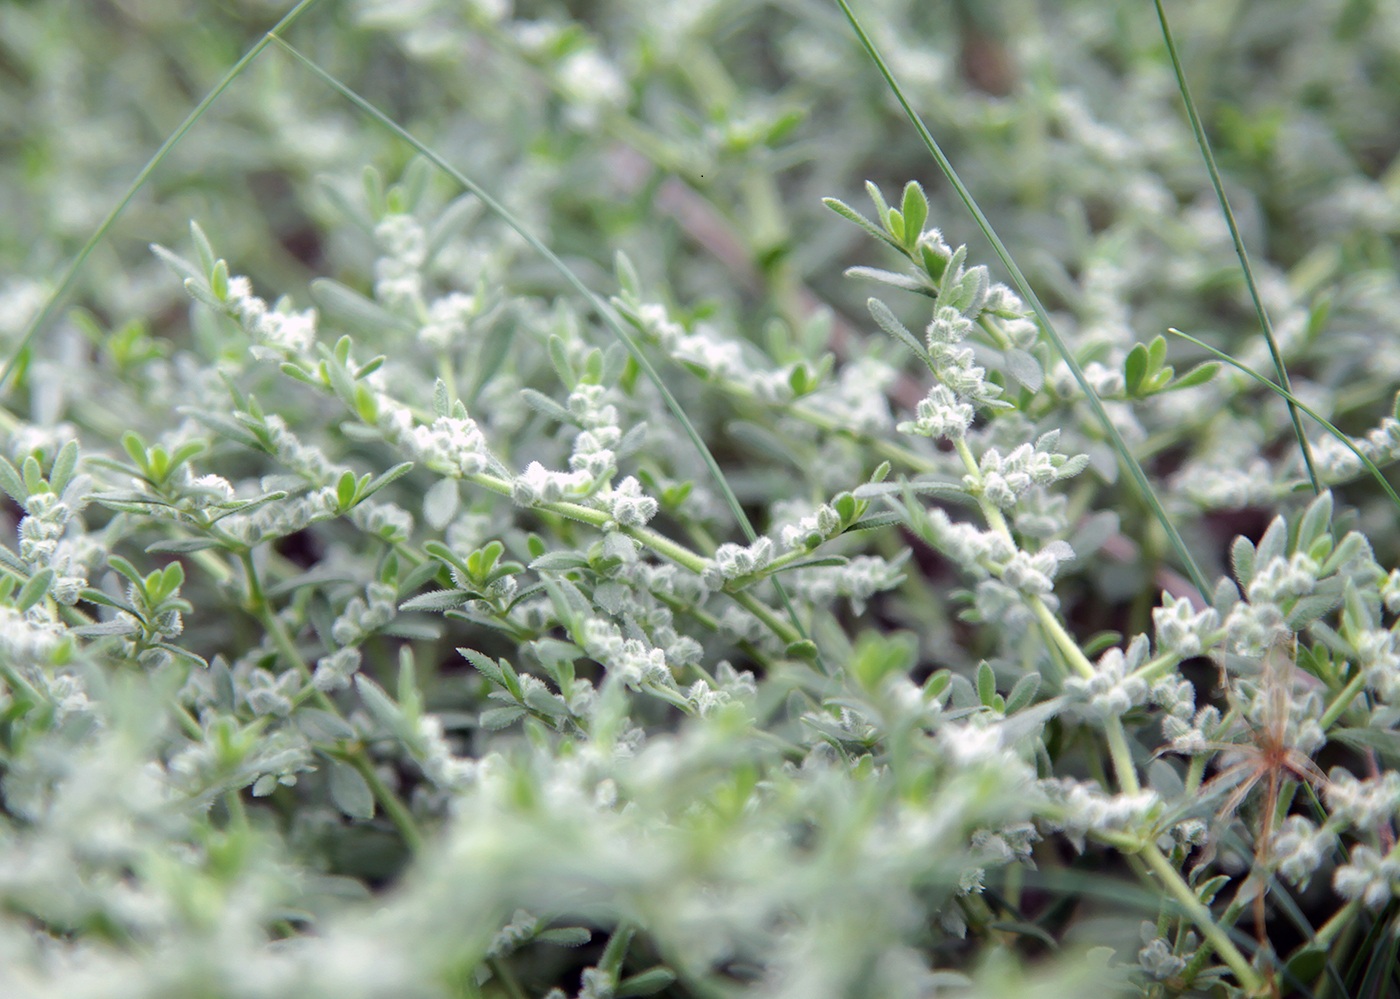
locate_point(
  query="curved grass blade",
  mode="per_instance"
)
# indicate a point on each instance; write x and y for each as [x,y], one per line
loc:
[600,307]
[1125,456]
[1259,311]
[56,297]
[1293,400]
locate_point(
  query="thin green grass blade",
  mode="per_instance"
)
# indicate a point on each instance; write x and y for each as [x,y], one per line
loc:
[1139,477]
[603,310]
[1293,400]
[56,297]
[1259,311]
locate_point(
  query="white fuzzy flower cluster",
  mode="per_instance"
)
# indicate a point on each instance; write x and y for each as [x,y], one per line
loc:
[1182,630]
[984,744]
[1176,697]
[270,693]
[277,520]
[28,637]
[363,616]
[1283,579]
[1112,691]
[306,460]
[45,541]
[954,365]
[594,456]
[1106,382]
[538,484]
[939,414]
[1218,486]
[733,561]
[403,245]
[592,85]
[1300,848]
[976,551]
[449,320]
[1390,591]
[1363,804]
[858,580]
[446,770]
[1192,735]
[628,505]
[629,659]
[1084,808]
[1156,958]
[386,521]
[1337,461]
[1368,878]
[1253,628]
[810,531]
[452,444]
[1034,574]
[860,397]
[333,672]
[1378,654]
[588,404]
[1002,480]
[279,330]
[705,350]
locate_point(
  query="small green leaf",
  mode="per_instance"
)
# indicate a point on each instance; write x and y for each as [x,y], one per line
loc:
[559,357]
[350,792]
[345,490]
[986,684]
[438,601]
[1156,353]
[495,718]
[1023,692]
[915,209]
[367,487]
[565,936]
[1315,520]
[1134,369]
[903,282]
[1198,375]
[646,983]
[486,666]
[886,320]
[851,215]
[63,465]
[628,281]
[11,483]
[381,706]
[34,589]
[218,280]
[542,403]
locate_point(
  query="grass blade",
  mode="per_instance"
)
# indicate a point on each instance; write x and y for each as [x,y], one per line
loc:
[1130,463]
[41,319]
[1263,314]
[599,306]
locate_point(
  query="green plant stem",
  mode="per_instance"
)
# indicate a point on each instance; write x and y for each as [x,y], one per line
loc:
[663,546]
[65,283]
[1200,916]
[1260,312]
[1134,469]
[1342,701]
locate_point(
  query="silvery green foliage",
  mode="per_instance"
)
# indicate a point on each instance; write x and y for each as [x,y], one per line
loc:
[370,626]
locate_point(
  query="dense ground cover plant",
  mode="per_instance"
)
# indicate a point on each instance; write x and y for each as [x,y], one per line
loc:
[576,586]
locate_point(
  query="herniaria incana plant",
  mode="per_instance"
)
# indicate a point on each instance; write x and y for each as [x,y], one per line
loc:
[434,631]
